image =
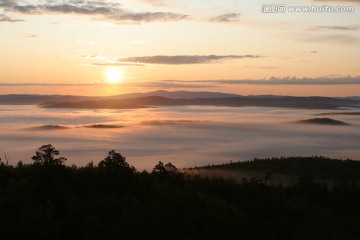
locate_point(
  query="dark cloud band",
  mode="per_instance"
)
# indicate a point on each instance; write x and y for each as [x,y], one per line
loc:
[177,60]
[335,28]
[285,81]
[4,18]
[109,11]
[225,18]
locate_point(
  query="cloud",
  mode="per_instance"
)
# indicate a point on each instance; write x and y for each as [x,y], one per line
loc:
[164,84]
[147,84]
[171,122]
[4,18]
[49,127]
[187,144]
[167,60]
[32,36]
[261,67]
[67,7]
[107,10]
[7,3]
[310,52]
[50,84]
[182,59]
[283,81]
[154,2]
[103,126]
[352,1]
[148,17]
[335,38]
[225,18]
[272,81]
[336,28]
[27,9]
[65,127]
[119,64]
[168,84]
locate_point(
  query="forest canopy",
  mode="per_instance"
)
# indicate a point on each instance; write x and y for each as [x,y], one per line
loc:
[111,200]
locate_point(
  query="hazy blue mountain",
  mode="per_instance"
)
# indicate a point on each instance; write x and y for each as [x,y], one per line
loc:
[283,102]
[339,113]
[178,95]
[352,97]
[180,98]
[24,99]
[27,99]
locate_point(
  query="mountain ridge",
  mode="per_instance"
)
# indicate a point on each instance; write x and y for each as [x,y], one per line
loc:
[177,98]
[151,101]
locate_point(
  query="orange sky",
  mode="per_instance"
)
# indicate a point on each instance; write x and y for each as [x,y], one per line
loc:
[144,42]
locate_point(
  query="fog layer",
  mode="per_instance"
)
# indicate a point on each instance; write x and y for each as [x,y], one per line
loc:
[187,136]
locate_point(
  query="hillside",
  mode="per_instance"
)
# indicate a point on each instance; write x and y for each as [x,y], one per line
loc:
[176,95]
[111,200]
[285,170]
[31,99]
[261,101]
[179,98]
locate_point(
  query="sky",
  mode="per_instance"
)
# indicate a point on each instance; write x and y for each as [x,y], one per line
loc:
[247,47]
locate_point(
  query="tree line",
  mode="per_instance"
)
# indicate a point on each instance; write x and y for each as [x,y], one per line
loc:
[318,167]
[112,200]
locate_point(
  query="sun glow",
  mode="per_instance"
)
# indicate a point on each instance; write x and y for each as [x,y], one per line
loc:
[114,75]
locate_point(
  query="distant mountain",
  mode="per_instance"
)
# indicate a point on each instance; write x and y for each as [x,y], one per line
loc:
[179,98]
[30,99]
[95,104]
[339,113]
[177,95]
[283,102]
[353,98]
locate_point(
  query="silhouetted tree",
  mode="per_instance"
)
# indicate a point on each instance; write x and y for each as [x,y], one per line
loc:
[159,168]
[170,167]
[114,162]
[84,203]
[45,156]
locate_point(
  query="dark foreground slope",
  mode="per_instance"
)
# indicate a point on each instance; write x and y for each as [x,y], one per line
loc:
[97,202]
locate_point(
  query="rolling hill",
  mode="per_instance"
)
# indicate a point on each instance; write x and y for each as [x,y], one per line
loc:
[178,98]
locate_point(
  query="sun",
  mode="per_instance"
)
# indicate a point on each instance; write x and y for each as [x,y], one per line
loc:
[114,75]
